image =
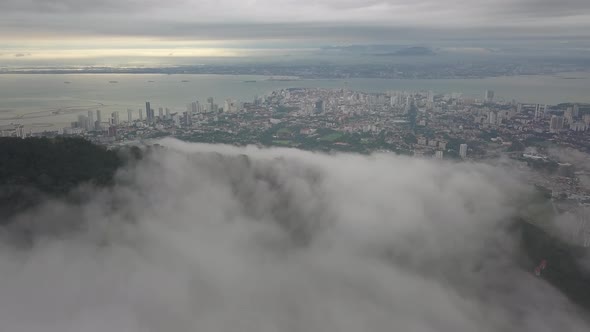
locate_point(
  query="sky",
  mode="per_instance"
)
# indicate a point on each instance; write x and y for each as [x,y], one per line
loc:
[198,237]
[83,29]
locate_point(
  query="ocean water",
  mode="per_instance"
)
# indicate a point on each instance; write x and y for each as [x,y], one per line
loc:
[46,102]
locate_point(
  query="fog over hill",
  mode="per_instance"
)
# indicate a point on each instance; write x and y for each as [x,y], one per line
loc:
[213,238]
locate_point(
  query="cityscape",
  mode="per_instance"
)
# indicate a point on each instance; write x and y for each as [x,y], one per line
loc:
[421,124]
[294,166]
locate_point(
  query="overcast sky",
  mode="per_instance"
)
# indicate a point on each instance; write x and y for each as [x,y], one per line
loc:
[94,28]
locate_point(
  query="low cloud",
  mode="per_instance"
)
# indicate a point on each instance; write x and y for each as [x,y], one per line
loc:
[220,238]
[579,159]
[569,155]
[20,55]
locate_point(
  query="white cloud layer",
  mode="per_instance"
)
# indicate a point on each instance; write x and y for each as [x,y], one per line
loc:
[218,238]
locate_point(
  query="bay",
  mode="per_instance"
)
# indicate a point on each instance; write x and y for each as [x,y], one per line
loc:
[52,101]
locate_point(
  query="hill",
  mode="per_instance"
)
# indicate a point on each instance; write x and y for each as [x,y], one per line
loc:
[564,269]
[34,168]
[410,51]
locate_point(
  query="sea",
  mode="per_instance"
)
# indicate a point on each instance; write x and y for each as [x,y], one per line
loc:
[52,101]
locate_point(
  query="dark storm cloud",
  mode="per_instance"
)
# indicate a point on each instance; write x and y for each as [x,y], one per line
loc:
[218,238]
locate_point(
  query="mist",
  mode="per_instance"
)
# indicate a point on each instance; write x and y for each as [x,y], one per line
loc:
[579,159]
[213,238]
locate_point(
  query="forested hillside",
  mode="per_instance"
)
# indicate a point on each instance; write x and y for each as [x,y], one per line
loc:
[33,168]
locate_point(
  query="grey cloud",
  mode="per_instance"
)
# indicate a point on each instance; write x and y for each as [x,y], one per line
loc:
[303,22]
[502,13]
[77,6]
[353,4]
[569,155]
[20,55]
[542,8]
[323,33]
[546,8]
[219,238]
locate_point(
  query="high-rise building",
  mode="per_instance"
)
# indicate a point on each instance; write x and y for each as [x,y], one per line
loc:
[394,101]
[98,120]
[115,118]
[140,114]
[489,96]
[149,112]
[194,107]
[519,108]
[556,124]
[439,155]
[161,113]
[576,110]
[538,112]
[545,111]
[82,121]
[211,105]
[463,151]
[430,97]
[500,118]
[129,115]
[493,118]
[20,131]
[578,126]
[320,106]
[90,125]
[569,115]
[188,119]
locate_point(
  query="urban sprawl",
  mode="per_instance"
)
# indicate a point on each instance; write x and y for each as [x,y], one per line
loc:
[421,124]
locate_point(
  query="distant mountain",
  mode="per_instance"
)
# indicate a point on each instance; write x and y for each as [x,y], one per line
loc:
[386,50]
[410,51]
[380,50]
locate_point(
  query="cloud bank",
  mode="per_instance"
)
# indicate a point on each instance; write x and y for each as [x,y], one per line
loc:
[290,21]
[144,32]
[219,238]
[503,11]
